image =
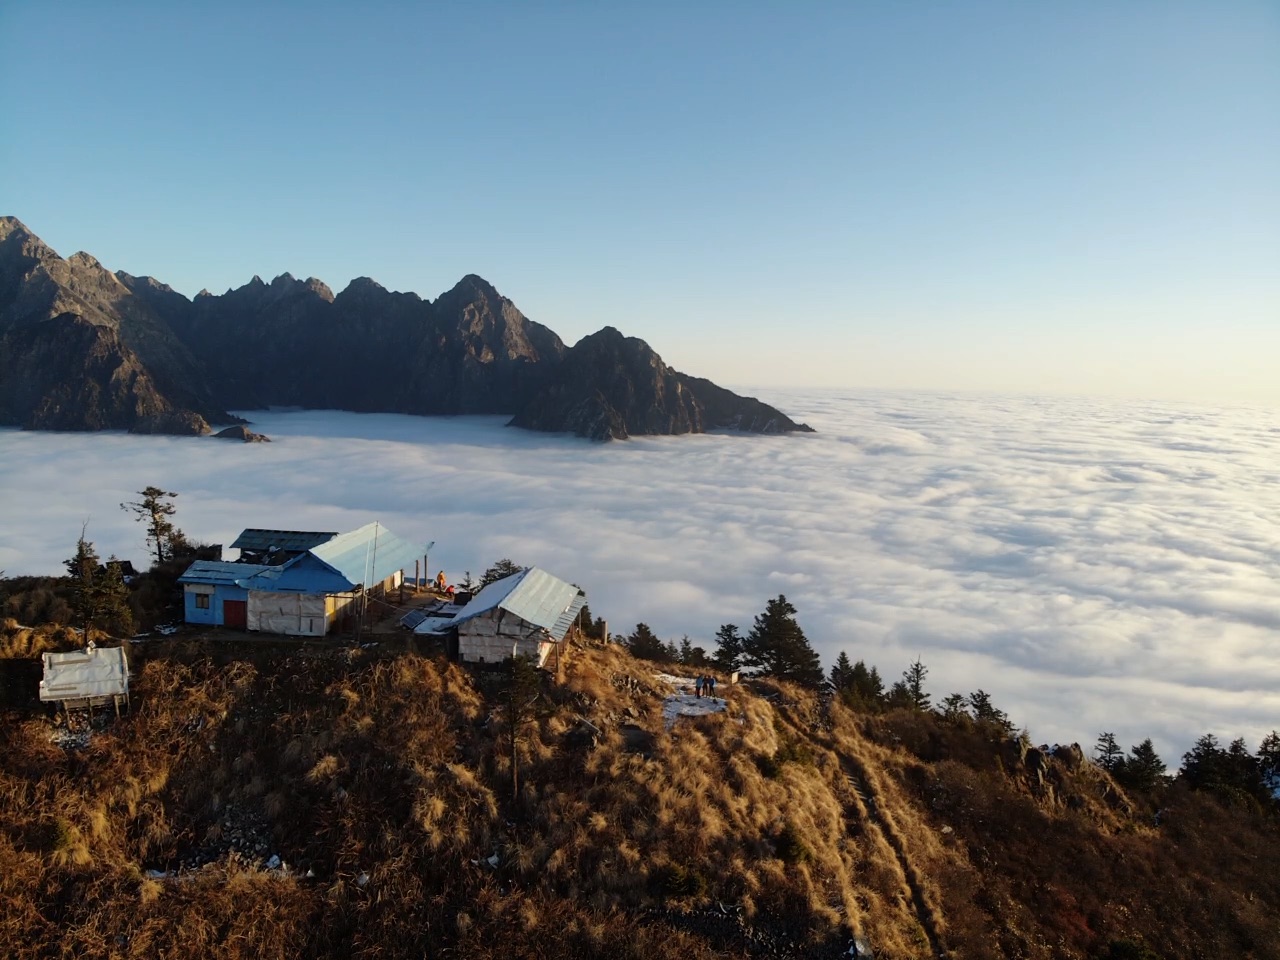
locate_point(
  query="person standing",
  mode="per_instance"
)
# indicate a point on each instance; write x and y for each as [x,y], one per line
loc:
[697,686]
[710,685]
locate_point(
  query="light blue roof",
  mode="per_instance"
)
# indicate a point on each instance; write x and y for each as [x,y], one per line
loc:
[369,554]
[220,572]
[534,596]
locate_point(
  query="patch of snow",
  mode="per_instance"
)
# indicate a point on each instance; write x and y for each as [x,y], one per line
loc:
[688,705]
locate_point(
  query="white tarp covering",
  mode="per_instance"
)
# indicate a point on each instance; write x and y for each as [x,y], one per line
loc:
[81,674]
[497,636]
[294,614]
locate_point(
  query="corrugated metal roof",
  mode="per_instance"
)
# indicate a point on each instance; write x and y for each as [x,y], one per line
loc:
[92,672]
[220,572]
[290,541]
[534,596]
[305,573]
[369,554]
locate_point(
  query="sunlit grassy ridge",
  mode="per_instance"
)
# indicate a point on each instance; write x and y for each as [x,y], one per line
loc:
[383,781]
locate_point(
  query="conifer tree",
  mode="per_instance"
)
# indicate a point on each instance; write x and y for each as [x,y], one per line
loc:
[155,511]
[867,686]
[1108,753]
[100,597]
[728,655]
[841,676]
[1269,758]
[913,681]
[777,647]
[985,712]
[643,644]
[500,570]
[1142,769]
[954,707]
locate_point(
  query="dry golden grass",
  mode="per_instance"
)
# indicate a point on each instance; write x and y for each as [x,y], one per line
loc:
[19,642]
[388,778]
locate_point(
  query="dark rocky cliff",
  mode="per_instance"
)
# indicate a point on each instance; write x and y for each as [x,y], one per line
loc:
[610,387]
[290,342]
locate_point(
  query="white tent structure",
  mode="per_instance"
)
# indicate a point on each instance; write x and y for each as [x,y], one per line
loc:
[92,677]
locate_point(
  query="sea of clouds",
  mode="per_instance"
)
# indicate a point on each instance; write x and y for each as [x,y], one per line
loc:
[1095,565]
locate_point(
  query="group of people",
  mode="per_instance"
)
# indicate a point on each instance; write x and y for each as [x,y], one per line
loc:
[705,685]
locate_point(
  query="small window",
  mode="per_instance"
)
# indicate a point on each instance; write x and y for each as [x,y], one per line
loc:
[202,601]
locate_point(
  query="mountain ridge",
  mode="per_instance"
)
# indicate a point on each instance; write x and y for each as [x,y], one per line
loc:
[290,342]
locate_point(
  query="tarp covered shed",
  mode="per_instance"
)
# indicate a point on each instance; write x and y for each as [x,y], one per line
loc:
[525,614]
[86,678]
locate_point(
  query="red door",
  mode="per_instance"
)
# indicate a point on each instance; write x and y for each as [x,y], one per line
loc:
[235,613]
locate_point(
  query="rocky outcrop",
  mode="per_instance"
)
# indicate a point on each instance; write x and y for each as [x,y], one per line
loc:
[67,373]
[182,363]
[81,352]
[243,434]
[610,387]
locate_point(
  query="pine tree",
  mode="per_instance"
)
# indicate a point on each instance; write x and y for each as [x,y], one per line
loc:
[1269,758]
[521,688]
[1205,765]
[841,676]
[686,650]
[954,707]
[985,712]
[643,644]
[777,647]
[83,570]
[913,680]
[728,655]
[500,570]
[1108,753]
[154,510]
[868,686]
[1142,769]
[100,597]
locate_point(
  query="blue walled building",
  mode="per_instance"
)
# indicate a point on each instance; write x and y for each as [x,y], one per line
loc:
[308,594]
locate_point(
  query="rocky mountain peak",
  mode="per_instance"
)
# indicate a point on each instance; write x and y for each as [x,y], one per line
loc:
[320,289]
[82,259]
[291,342]
[9,226]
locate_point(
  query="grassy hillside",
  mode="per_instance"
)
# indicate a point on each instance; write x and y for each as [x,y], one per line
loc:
[783,826]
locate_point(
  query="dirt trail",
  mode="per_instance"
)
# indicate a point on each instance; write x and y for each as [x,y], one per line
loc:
[870,807]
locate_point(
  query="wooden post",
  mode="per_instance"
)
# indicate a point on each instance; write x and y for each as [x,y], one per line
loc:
[417,582]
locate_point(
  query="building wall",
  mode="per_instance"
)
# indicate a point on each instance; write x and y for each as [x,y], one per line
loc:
[291,614]
[212,615]
[497,636]
[209,616]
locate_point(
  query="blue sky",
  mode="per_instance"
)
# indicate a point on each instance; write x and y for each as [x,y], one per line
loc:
[1079,198]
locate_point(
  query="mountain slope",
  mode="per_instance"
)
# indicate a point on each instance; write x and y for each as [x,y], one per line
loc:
[784,826]
[157,382]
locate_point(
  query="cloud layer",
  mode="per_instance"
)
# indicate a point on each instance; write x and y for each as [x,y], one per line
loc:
[1092,564]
